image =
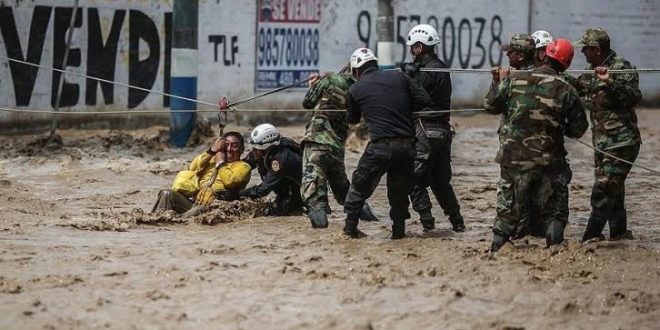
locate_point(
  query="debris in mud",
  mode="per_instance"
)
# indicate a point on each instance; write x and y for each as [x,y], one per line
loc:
[8,286]
[218,212]
[222,212]
[77,146]
[157,295]
[104,221]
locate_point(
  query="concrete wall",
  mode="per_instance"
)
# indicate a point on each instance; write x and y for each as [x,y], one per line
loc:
[128,41]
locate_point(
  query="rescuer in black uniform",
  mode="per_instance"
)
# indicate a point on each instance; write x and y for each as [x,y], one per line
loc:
[386,100]
[433,131]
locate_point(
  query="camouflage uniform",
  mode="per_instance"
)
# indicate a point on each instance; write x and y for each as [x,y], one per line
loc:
[614,130]
[538,109]
[537,229]
[323,142]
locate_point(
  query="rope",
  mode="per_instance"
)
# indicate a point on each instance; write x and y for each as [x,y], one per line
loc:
[137,112]
[612,156]
[568,71]
[215,106]
[110,82]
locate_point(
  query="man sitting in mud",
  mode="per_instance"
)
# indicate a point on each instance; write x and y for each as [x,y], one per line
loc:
[219,169]
[278,160]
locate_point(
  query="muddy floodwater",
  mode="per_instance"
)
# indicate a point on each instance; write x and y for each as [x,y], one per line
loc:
[79,249]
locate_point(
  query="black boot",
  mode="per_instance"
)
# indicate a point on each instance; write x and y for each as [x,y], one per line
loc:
[498,242]
[554,234]
[457,223]
[366,214]
[594,227]
[427,220]
[398,229]
[318,218]
[351,226]
[619,226]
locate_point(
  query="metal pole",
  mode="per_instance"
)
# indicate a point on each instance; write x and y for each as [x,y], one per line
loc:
[60,85]
[184,69]
[385,30]
[530,15]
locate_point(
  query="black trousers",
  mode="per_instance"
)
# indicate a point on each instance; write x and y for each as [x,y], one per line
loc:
[433,168]
[393,157]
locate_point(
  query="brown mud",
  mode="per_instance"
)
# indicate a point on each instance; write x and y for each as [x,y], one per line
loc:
[78,248]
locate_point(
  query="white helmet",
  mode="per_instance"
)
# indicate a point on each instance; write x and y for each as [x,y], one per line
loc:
[361,56]
[423,33]
[542,38]
[264,136]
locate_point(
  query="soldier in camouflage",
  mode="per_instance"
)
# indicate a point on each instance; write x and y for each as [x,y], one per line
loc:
[611,99]
[538,109]
[520,51]
[542,39]
[323,143]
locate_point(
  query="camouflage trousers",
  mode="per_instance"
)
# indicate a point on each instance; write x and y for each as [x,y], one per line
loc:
[608,192]
[529,200]
[323,166]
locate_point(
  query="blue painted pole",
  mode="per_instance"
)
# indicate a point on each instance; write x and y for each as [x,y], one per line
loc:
[184,69]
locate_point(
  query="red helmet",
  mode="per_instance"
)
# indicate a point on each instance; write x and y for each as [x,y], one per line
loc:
[562,51]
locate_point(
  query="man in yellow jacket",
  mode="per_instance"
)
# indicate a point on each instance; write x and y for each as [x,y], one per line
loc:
[191,187]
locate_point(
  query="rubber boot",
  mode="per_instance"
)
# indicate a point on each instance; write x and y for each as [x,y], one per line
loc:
[318,218]
[498,242]
[594,227]
[554,234]
[398,229]
[619,226]
[457,223]
[351,226]
[366,214]
[427,220]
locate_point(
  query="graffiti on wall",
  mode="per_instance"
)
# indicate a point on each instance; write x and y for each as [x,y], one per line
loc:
[101,53]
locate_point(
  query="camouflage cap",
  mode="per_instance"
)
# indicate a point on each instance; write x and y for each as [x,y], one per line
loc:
[521,42]
[594,37]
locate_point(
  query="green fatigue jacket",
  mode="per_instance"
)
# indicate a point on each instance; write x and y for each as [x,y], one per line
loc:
[613,119]
[538,108]
[328,127]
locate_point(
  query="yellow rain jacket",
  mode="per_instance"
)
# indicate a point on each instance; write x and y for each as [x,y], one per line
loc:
[231,176]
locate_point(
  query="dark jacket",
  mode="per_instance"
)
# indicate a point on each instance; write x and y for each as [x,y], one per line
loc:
[386,99]
[280,170]
[436,84]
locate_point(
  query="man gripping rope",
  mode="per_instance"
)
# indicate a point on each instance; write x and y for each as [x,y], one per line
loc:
[323,147]
[538,108]
[612,99]
[433,132]
[386,100]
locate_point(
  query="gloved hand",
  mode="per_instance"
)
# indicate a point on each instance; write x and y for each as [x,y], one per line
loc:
[227,195]
[410,68]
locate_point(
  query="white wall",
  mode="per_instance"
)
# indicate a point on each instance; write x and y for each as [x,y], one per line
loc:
[230,28]
[633,26]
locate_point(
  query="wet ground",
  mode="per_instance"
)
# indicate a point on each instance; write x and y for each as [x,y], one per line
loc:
[78,249]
